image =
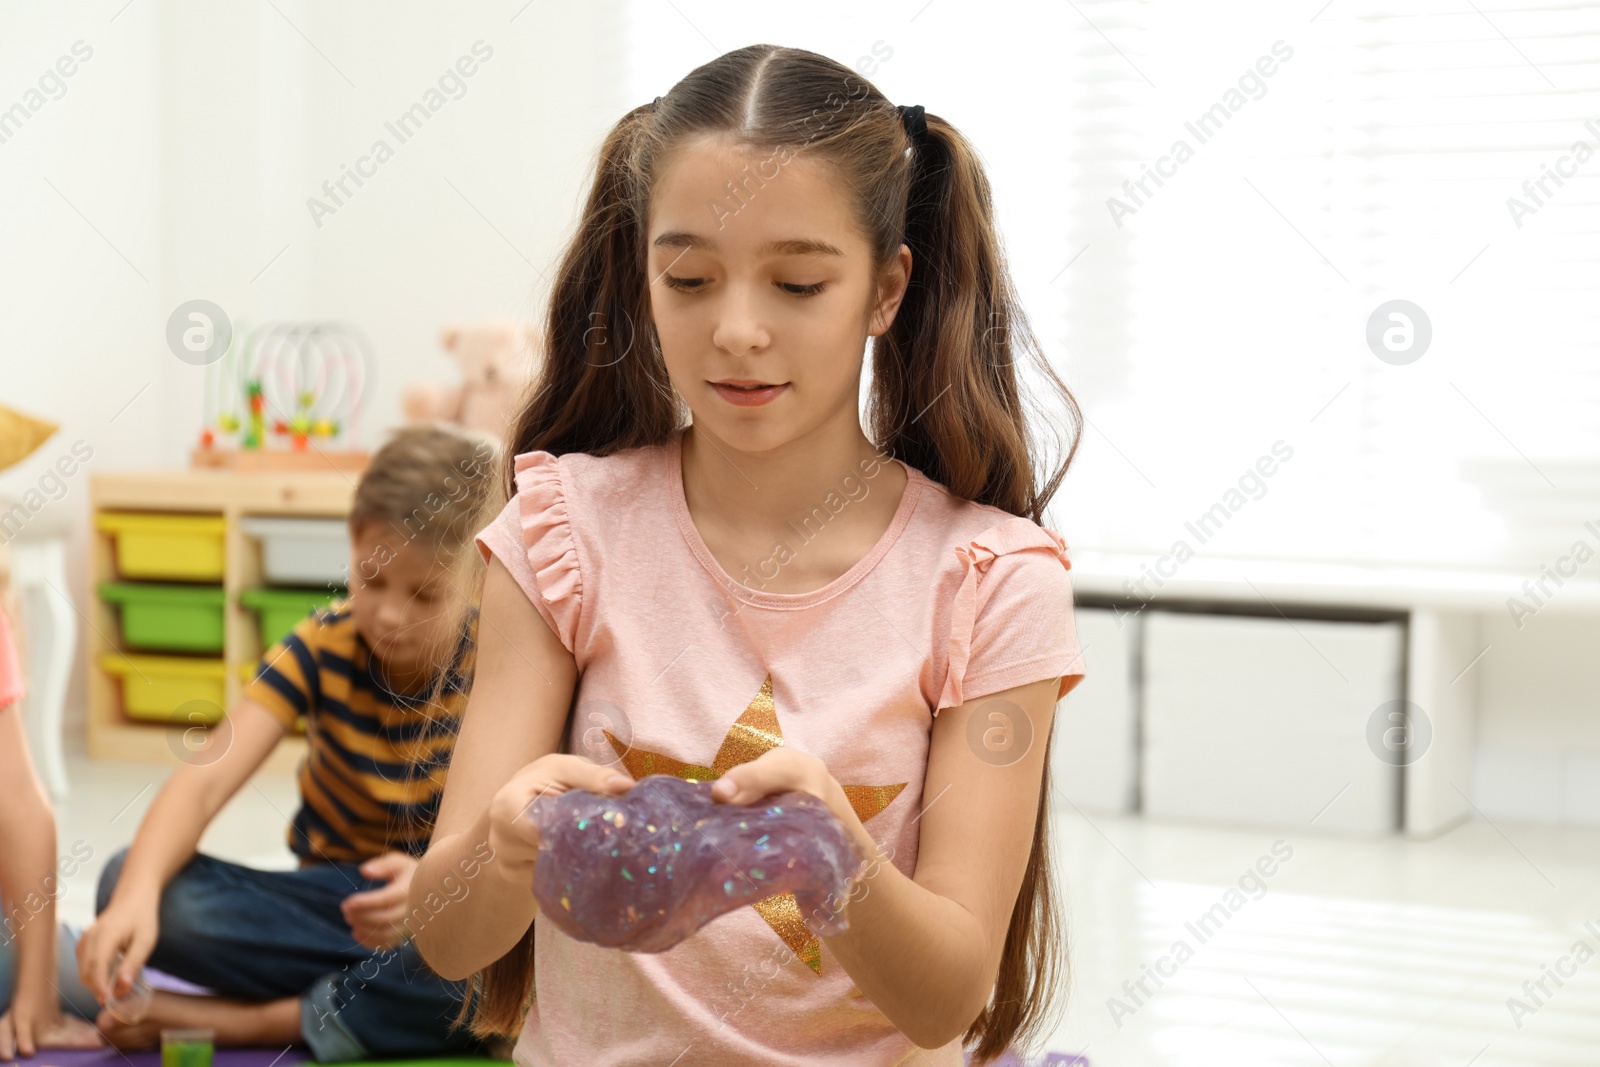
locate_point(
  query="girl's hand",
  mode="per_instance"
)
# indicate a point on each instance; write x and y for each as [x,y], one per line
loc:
[779,769]
[35,1024]
[512,834]
[377,916]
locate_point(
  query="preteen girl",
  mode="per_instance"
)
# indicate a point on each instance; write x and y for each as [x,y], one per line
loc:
[708,567]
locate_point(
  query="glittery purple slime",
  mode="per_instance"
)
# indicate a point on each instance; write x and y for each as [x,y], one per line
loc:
[643,870]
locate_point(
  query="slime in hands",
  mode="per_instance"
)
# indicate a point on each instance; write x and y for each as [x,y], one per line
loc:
[644,870]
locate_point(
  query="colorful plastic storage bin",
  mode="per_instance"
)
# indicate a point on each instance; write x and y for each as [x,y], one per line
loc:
[166,545]
[171,618]
[279,609]
[169,688]
[301,551]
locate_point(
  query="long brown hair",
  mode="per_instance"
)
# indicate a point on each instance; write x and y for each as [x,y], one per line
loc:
[945,398]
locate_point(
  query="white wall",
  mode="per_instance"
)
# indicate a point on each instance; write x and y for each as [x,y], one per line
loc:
[191,140]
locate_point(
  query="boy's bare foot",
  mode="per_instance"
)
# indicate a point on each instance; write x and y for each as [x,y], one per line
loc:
[236,1022]
[128,1037]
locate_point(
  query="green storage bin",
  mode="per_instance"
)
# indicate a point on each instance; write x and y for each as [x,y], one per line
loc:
[174,618]
[279,609]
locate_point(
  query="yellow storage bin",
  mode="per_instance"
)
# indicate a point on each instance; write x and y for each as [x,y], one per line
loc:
[166,545]
[174,689]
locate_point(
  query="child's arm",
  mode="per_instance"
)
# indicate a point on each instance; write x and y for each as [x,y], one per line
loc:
[926,950]
[27,878]
[167,839]
[505,756]
[28,888]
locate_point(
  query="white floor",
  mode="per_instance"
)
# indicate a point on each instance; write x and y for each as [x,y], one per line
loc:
[1355,951]
[107,801]
[1359,951]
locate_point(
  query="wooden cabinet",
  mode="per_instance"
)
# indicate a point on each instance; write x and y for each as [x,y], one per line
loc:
[232,496]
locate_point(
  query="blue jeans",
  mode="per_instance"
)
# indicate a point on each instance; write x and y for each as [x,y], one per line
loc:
[264,935]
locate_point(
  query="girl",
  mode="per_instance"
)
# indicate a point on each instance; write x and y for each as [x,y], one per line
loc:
[41,1003]
[707,568]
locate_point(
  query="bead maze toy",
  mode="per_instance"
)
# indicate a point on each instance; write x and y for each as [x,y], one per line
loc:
[287,396]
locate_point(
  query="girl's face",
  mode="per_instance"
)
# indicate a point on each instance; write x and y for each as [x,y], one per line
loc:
[763,301]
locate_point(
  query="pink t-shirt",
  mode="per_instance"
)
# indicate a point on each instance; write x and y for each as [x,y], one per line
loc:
[687,671]
[11,687]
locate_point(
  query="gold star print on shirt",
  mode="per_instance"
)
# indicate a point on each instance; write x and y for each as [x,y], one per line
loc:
[754,732]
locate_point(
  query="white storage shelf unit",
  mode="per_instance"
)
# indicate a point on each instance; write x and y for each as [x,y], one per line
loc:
[1250,701]
[1229,718]
[1094,748]
[1265,720]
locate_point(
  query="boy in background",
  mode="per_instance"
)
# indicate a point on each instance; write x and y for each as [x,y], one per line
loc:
[322,954]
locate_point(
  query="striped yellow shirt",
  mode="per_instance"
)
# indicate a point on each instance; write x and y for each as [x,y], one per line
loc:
[376,759]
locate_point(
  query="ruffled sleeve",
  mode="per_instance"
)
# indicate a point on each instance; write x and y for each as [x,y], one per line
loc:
[532,536]
[1012,618]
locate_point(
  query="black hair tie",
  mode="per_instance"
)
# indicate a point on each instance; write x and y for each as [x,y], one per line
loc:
[915,121]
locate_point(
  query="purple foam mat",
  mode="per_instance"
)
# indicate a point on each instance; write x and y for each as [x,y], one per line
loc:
[295,1055]
[1011,1058]
[110,1057]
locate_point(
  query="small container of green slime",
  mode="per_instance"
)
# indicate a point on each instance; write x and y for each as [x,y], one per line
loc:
[187,1048]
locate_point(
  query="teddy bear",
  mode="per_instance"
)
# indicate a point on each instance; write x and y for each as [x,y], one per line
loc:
[498,358]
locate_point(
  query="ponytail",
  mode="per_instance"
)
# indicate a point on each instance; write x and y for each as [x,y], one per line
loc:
[946,398]
[603,386]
